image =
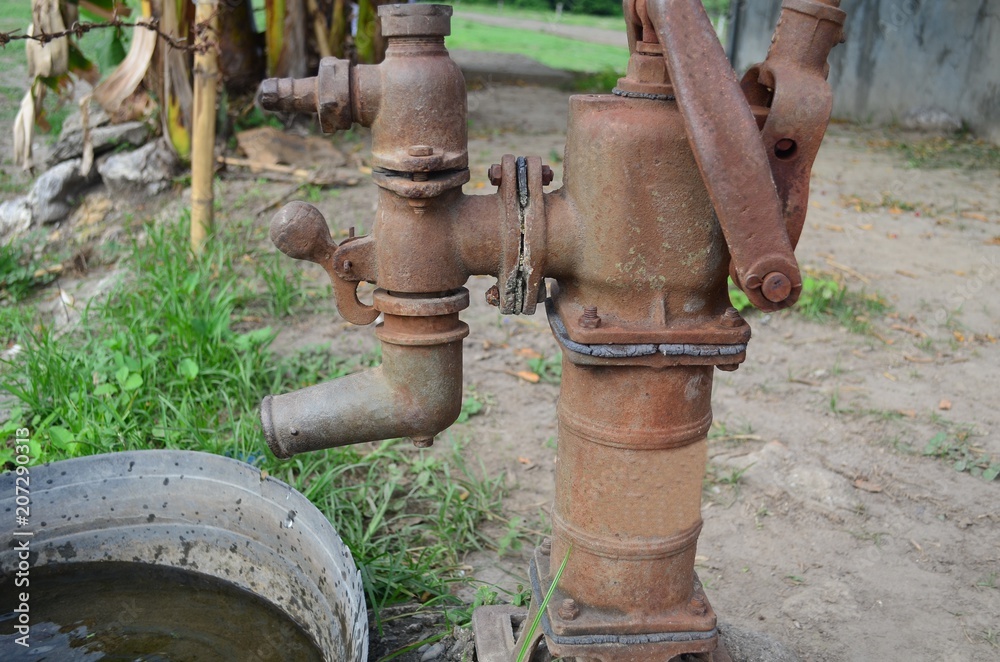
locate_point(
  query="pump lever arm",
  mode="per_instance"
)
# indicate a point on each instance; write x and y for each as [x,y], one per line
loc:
[729,152]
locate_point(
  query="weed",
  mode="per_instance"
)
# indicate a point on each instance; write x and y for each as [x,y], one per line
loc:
[284,284]
[823,298]
[159,364]
[758,518]
[952,445]
[20,273]
[735,476]
[876,537]
[549,369]
[472,405]
[511,539]
[989,581]
[522,654]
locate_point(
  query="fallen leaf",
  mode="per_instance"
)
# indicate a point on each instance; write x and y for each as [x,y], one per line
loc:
[895,211]
[525,460]
[528,376]
[527,353]
[944,405]
[867,486]
[995,241]
[816,203]
[959,336]
[835,228]
[908,274]
[909,413]
[890,377]
[892,235]
[976,216]
[866,226]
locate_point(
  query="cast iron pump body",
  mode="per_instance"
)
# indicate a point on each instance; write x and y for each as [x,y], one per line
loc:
[679,178]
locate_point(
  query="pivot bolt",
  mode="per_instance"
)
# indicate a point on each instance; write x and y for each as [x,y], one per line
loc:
[423,442]
[546,546]
[777,287]
[590,319]
[568,611]
[495,174]
[697,605]
[420,150]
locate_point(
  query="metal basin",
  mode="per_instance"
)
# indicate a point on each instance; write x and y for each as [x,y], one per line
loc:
[234,553]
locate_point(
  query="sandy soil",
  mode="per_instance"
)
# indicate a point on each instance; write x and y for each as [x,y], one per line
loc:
[825,525]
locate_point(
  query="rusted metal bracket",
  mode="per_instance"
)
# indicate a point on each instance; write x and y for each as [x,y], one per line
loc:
[652,354]
[791,87]
[521,281]
[300,231]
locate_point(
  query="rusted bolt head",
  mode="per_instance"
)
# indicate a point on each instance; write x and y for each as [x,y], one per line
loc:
[568,610]
[777,287]
[493,296]
[546,546]
[547,175]
[420,150]
[423,442]
[697,606]
[590,319]
[495,174]
[731,318]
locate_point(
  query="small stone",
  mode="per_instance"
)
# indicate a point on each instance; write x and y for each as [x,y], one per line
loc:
[433,653]
[103,139]
[149,169]
[56,191]
[15,217]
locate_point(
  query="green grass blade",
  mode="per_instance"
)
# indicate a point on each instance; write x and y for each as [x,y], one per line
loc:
[522,654]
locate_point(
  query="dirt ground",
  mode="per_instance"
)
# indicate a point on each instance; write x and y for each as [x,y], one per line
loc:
[826,527]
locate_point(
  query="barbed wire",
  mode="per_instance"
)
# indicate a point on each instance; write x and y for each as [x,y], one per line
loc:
[78,29]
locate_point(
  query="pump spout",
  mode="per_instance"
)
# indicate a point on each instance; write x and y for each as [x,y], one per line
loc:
[416,392]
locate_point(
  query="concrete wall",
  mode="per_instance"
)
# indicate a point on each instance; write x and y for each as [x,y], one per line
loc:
[900,55]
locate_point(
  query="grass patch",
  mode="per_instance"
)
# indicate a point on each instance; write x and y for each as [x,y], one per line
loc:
[552,51]
[20,272]
[168,360]
[954,445]
[826,299]
[548,16]
[962,150]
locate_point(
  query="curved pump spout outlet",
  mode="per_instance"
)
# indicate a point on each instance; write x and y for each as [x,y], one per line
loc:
[416,392]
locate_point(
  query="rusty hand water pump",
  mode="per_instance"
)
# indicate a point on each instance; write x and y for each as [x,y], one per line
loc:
[680,178]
